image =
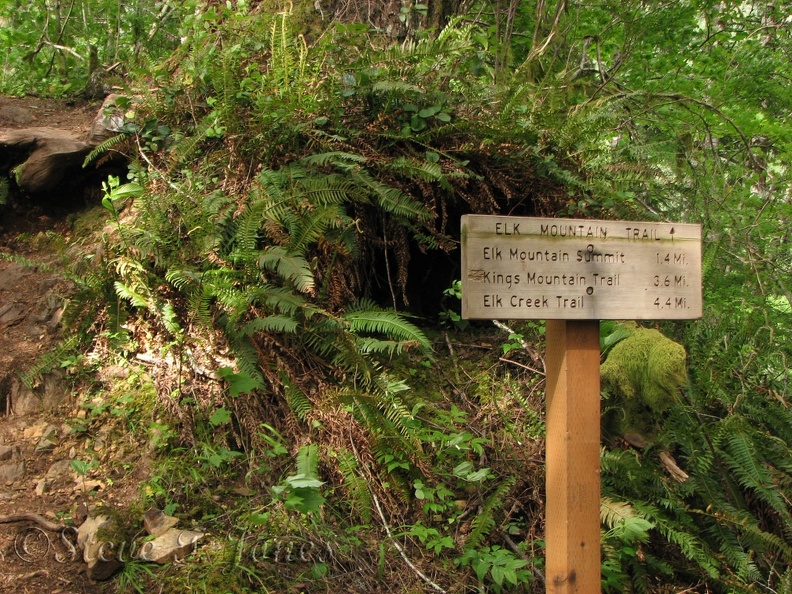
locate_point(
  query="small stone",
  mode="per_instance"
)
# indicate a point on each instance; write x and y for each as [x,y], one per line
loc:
[58,469]
[35,431]
[174,545]
[11,314]
[89,485]
[11,471]
[8,453]
[48,440]
[157,523]
[42,486]
[98,550]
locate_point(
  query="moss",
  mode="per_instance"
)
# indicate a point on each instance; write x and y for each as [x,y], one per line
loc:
[89,223]
[640,381]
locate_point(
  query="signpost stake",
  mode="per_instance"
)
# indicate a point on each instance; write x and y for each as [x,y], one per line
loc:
[573,273]
[572,530]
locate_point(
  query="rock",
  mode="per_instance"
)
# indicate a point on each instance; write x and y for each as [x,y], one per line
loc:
[48,440]
[47,396]
[95,537]
[35,431]
[42,486]
[47,163]
[52,154]
[11,472]
[88,485]
[59,469]
[113,373]
[18,115]
[9,452]
[157,523]
[173,545]
[110,119]
[11,314]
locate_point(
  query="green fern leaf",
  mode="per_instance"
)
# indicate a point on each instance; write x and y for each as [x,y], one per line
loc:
[423,170]
[288,302]
[613,512]
[356,485]
[273,323]
[335,158]
[309,228]
[45,363]
[389,323]
[484,522]
[745,463]
[104,147]
[291,267]
[298,402]
[390,199]
[129,294]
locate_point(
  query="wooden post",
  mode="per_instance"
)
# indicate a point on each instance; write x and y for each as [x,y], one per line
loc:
[572,529]
[573,273]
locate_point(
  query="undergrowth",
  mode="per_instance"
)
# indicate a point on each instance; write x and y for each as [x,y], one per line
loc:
[264,263]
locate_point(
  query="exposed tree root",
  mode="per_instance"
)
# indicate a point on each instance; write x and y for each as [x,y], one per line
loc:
[30,517]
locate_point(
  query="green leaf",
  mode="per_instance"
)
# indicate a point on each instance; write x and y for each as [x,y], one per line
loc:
[308,460]
[428,112]
[305,500]
[258,519]
[289,266]
[80,467]
[220,417]
[300,481]
[238,383]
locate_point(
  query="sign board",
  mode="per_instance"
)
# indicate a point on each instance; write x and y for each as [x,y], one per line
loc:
[578,269]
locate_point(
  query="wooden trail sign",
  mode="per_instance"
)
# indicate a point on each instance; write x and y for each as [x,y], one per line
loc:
[574,273]
[574,269]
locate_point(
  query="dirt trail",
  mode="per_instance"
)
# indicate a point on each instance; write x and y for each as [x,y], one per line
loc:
[36,447]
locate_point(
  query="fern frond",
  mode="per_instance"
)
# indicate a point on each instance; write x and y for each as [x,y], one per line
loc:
[247,357]
[170,320]
[298,402]
[127,293]
[273,323]
[104,147]
[377,346]
[328,189]
[356,485]
[311,226]
[290,267]
[383,411]
[422,170]
[45,363]
[184,280]
[390,199]
[612,512]
[339,159]
[689,545]
[368,320]
[182,149]
[289,303]
[745,462]
[484,522]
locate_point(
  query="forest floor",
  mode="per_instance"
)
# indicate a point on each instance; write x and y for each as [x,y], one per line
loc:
[36,448]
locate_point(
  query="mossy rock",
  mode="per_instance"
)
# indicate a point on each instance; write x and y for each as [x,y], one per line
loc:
[641,379]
